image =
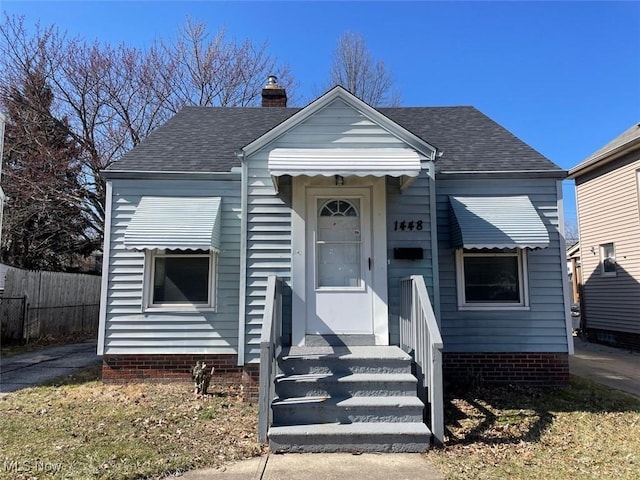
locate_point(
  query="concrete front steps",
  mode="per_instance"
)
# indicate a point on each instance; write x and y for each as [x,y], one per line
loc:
[347,399]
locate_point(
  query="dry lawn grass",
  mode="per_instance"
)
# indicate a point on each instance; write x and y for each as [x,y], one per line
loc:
[85,429]
[584,432]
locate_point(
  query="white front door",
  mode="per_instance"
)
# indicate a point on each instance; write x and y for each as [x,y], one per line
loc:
[338,262]
[339,258]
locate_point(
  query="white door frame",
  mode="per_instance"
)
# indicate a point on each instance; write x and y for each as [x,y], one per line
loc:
[301,186]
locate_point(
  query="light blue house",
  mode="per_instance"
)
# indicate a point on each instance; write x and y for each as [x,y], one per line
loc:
[314,254]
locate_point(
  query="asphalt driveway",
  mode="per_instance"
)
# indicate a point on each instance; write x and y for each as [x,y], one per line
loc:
[30,369]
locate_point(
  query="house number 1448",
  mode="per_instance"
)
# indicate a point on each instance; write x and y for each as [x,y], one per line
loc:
[407,225]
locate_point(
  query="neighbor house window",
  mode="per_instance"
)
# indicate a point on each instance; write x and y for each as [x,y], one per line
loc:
[491,279]
[181,278]
[608,259]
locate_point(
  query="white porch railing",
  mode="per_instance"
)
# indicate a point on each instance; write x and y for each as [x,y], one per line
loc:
[420,337]
[270,348]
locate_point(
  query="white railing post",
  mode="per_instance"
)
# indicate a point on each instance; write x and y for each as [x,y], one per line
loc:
[270,346]
[420,335]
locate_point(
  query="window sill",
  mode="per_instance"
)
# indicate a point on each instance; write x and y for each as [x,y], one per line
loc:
[179,309]
[499,307]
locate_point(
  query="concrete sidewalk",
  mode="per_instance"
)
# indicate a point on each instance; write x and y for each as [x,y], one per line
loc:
[615,368]
[30,369]
[324,466]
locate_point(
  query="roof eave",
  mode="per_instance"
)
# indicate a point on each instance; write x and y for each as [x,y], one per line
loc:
[167,175]
[604,158]
[559,174]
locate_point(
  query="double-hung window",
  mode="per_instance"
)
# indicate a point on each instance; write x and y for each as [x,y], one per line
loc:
[181,279]
[492,279]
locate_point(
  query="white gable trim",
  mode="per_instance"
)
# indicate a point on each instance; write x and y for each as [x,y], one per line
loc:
[338,92]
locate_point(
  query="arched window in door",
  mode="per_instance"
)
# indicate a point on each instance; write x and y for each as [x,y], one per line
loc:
[338,243]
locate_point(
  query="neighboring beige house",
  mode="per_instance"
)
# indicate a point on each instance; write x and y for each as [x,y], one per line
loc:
[607,195]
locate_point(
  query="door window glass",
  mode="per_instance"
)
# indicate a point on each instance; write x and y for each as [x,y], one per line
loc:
[338,245]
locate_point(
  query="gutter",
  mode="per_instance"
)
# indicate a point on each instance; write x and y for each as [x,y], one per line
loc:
[559,174]
[166,175]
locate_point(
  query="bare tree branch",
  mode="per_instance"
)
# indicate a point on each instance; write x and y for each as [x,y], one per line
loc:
[105,99]
[354,68]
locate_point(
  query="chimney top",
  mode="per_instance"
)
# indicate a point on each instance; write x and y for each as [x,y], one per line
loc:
[273,94]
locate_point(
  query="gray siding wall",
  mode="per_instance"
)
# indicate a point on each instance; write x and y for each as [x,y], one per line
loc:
[127,328]
[412,204]
[268,245]
[540,329]
[608,211]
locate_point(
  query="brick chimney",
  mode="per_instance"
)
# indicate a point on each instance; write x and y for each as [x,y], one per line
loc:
[273,94]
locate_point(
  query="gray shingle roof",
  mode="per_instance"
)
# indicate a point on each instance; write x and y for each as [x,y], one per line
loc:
[204,139]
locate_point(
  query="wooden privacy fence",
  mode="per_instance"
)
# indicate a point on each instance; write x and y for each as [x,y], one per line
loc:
[37,304]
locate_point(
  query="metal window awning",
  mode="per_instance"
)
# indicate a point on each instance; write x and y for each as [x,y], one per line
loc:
[180,223]
[496,222]
[379,162]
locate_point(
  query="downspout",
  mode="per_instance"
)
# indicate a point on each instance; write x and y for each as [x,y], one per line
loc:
[242,307]
[106,255]
[434,240]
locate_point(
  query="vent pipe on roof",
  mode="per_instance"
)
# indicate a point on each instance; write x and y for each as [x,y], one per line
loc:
[273,94]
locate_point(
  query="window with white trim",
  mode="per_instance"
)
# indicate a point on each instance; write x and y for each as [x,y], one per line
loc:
[608,260]
[492,279]
[180,279]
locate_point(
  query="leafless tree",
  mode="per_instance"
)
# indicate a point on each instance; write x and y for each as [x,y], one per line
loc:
[109,98]
[571,234]
[200,68]
[356,70]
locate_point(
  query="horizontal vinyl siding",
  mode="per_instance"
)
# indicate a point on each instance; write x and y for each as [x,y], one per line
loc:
[540,329]
[338,125]
[268,245]
[128,330]
[412,204]
[608,212]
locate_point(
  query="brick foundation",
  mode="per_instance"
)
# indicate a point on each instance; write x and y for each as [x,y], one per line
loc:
[250,382]
[177,368]
[540,369]
[535,369]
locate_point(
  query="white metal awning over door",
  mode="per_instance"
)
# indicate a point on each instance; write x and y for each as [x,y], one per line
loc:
[179,223]
[394,162]
[496,222]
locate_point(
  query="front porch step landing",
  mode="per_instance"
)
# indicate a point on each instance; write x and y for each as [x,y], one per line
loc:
[387,352]
[355,437]
[347,399]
